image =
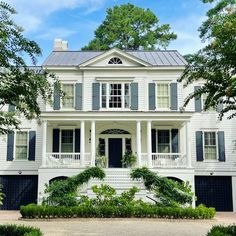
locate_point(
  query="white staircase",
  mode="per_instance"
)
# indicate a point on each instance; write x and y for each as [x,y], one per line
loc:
[118,179]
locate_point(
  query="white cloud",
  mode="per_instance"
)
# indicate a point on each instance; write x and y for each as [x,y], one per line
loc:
[32,13]
[186,28]
[56,33]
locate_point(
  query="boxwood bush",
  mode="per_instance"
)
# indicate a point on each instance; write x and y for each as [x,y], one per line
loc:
[219,230]
[141,210]
[19,230]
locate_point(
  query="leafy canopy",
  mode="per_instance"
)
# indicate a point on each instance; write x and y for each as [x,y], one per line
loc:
[216,62]
[130,27]
[20,85]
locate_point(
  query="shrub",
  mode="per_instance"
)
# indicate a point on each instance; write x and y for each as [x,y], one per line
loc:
[140,210]
[219,230]
[168,192]
[19,230]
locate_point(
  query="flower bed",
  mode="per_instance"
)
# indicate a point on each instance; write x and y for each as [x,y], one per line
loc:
[19,230]
[33,211]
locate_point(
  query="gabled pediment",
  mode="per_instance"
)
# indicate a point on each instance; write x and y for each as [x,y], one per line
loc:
[112,58]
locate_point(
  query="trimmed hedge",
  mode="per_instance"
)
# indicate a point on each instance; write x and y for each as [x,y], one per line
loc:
[19,230]
[219,230]
[108,211]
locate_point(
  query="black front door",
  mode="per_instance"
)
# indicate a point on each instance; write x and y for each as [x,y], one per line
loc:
[115,152]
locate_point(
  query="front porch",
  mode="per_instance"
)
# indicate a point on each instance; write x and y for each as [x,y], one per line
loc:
[157,143]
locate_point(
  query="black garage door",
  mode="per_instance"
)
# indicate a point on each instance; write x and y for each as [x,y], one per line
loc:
[214,191]
[19,190]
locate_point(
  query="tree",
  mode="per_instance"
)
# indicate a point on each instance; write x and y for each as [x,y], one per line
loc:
[20,86]
[130,27]
[216,62]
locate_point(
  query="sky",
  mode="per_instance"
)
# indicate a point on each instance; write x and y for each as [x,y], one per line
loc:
[76,20]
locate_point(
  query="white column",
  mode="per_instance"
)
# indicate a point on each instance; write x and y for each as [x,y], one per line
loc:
[149,143]
[44,144]
[93,142]
[188,143]
[82,139]
[138,142]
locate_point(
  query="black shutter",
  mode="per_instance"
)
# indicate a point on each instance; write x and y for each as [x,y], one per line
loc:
[57,98]
[77,140]
[175,140]
[56,141]
[96,96]
[198,100]
[174,96]
[152,96]
[154,141]
[221,145]
[78,96]
[134,96]
[32,143]
[10,146]
[199,146]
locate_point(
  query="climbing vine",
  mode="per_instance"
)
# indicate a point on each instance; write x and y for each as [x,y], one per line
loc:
[166,191]
[64,192]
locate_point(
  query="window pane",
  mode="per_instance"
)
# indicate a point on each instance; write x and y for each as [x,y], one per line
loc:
[68,99]
[115,98]
[21,145]
[67,141]
[163,96]
[210,145]
[128,145]
[163,138]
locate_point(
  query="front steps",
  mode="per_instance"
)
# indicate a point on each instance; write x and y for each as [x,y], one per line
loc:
[119,179]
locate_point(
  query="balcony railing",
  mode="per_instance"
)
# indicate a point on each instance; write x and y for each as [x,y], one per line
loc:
[169,160]
[62,159]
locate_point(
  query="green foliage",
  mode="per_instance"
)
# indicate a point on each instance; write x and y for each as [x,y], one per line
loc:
[20,85]
[64,192]
[219,230]
[19,230]
[130,27]
[101,161]
[104,193]
[129,159]
[141,210]
[216,62]
[167,191]
[2,195]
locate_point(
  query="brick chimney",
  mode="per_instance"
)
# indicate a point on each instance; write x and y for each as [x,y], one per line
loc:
[60,45]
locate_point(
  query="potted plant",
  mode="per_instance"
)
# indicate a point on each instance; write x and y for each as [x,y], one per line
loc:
[101,161]
[129,159]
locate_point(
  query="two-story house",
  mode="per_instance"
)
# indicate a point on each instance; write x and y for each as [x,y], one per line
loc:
[118,101]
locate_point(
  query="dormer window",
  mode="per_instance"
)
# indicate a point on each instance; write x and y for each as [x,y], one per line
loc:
[115,61]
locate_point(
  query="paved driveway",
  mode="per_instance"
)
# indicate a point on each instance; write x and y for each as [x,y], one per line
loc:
[119,227]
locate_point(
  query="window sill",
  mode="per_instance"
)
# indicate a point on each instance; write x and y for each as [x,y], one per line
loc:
[211,161]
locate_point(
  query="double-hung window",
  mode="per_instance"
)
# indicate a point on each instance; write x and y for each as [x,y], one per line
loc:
[67,141]
[115,95]
[210,146]
[68,99]
[163,141]
[21,152]
[163,95]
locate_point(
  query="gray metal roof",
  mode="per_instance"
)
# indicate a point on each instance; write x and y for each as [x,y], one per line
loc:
[154,58]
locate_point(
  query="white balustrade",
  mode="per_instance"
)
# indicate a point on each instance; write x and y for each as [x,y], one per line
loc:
[63,159]
[169,160]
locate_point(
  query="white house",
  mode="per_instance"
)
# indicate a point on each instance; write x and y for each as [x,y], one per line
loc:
[117,101]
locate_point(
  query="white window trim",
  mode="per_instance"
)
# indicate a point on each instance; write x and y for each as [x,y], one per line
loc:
[14,154]
[122,108]
[73,129]
[217,145]
[163,82]
[61,100]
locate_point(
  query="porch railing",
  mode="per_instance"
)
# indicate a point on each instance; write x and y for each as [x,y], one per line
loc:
[169,160]
[62,159]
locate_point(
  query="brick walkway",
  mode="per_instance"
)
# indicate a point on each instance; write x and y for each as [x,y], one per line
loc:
[147,227]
